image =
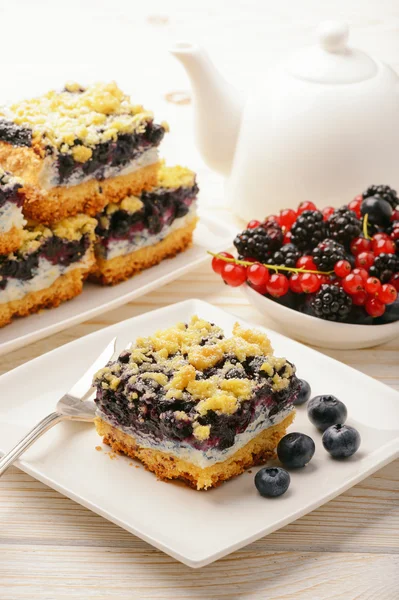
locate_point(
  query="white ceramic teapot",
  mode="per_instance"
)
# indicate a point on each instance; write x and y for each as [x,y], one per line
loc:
[323,126]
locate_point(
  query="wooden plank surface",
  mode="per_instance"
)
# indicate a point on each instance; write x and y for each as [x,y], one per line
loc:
[52,548]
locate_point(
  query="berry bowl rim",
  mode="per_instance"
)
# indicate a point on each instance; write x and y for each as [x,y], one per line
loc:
[319,332]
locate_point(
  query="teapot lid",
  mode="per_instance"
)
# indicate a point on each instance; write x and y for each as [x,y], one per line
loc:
[331,60]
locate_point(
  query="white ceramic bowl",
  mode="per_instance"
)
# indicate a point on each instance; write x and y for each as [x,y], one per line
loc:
[319,332]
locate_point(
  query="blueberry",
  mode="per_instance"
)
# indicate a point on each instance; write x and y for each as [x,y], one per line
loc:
[379,210]
[295,450]
[324,411]
[341,441]
[303,393]
[271,482]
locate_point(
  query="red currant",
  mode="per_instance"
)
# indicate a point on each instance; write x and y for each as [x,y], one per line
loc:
[388,293]
[374,307]
[218,263]
[362,272]
[277,285]
[384,247]
[295,283]
[359,245]
[272,219]
[379,236]
[395,215]
[233,274]
[364,260]
[355,205]
[395,281]
[306,206]
[360,298]
[258,274]
[287,238]
[287,218]
[261,289]
[352,283]
[327,212]
[253,224]
[310,283]
[342,268]
[306,262]
[395,234]
[372,285]
[324,279]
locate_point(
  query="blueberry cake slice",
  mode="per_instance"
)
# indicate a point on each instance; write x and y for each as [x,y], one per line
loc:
[11,217]
[194,405]
[79,149]
[142,230]
[48,268]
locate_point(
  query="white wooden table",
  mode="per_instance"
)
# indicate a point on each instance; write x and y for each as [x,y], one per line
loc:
[52,548]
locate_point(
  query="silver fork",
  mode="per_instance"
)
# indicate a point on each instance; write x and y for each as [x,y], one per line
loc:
[75,405]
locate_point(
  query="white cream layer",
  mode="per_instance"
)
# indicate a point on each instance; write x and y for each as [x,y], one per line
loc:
[209,457]
[124,247]
[11,216]
[44,277]
[48,177]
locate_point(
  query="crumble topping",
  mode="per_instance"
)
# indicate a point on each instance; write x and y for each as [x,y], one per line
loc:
[174,177]
[77,119]
[192,373]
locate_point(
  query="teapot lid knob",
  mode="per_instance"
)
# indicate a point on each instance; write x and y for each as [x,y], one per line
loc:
[333,35]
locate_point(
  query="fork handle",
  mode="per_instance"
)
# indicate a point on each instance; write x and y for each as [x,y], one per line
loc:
[34,434]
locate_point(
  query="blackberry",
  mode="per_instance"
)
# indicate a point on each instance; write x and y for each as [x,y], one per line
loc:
[327,254]
[331,303]
[259,243]
[287,256]
[344,226]
[385,192]
[385,265]
[308,230]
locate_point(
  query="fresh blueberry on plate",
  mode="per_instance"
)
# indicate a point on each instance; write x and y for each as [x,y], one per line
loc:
[304,392]
[295,450]
[324,411]
[341,441]
[272,481]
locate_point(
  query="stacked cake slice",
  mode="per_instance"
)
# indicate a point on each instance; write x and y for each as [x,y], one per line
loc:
[82,190]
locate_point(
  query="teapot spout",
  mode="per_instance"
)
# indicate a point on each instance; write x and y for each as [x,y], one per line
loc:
[217,107]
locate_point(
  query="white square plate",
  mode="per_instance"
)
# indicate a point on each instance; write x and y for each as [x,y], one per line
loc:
[210,234]
[194,527]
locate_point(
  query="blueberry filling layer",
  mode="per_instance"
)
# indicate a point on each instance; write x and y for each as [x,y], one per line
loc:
[55,250]
[169,403]
[9,187]
[122,231]
[114,155]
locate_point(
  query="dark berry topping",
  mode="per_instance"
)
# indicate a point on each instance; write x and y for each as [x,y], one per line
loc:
[344,226]
[331,303]
[259,243]
[327,254]
[15,134]
[385,192]
[308,230]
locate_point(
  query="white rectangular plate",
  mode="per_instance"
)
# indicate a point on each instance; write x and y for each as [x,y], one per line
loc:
[194,527]
[210,234]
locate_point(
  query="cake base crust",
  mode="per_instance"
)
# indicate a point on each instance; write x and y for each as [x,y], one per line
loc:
[90,197]
[64,288]
[10,240]
[167,466]
[120,268]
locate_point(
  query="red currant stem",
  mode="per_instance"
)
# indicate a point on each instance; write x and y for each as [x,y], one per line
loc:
[275,268]
[365,225]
